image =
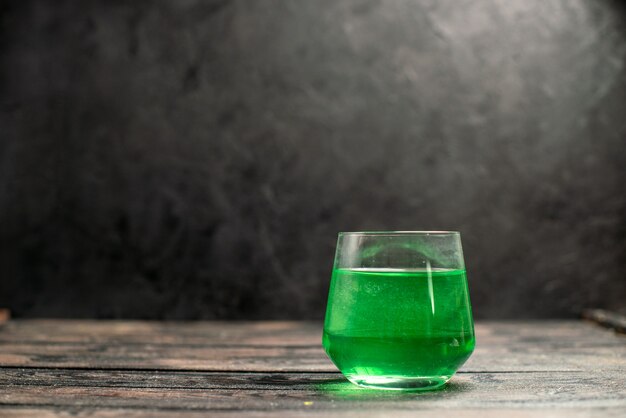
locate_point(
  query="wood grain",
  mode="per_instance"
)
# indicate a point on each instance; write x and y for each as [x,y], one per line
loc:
[280,346]
[179,333]
[465,391]
[493,358]
[80,412]
[69,368]
[248,346]
[264,333]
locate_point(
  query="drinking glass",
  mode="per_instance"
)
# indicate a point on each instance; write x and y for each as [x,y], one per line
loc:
[398,313]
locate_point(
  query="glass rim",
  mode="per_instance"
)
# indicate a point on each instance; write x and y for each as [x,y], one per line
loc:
[398,233]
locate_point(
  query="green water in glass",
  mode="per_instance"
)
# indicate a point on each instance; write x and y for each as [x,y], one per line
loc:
[400,329]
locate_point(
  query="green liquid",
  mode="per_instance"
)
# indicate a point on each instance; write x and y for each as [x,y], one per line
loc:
[398,328]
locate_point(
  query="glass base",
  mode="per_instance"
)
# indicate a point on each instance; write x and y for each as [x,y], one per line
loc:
[404,383]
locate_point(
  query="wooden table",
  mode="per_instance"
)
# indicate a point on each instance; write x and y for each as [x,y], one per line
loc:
[52,368]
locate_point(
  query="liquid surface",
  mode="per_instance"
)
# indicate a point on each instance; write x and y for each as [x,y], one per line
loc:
[394,324]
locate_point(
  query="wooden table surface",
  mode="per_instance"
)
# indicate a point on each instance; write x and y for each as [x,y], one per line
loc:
[53,368]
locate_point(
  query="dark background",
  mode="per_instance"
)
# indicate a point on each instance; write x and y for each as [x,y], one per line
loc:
[195,159]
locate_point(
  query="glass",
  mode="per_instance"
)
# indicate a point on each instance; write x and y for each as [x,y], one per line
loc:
[399,314]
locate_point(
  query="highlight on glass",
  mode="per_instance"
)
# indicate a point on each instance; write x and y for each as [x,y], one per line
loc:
[398,313]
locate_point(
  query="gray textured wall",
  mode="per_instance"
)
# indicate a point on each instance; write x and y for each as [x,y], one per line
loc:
[187,159]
